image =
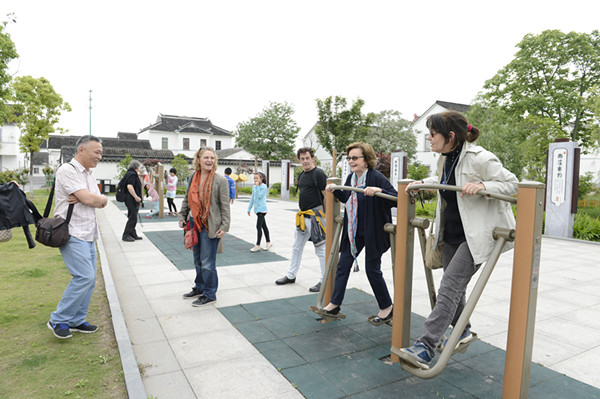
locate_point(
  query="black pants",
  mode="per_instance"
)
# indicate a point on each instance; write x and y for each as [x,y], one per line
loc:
[132,216]
[171,204]
[261,225]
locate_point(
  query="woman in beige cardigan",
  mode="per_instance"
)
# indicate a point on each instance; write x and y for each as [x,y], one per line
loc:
[465,222]
[206,207]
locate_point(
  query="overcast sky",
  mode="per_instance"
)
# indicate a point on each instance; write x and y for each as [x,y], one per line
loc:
[226,60]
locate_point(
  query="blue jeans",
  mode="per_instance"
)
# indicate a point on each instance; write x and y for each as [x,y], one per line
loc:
[205,261]
[80,258]
[373,270]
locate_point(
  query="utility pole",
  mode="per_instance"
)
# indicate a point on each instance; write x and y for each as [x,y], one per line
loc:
[90,112]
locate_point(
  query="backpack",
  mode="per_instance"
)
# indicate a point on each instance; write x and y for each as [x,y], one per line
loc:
[121,190]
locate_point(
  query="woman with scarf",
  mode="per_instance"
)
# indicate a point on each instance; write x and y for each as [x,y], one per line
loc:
[206,207]
[465,223]
[365,216]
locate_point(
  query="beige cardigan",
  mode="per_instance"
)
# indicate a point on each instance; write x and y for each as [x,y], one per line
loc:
[479,215]
[218,214]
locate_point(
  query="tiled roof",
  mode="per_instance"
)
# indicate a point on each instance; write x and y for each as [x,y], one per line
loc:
[227,152]
[115,154]
[58,141]
[453,106]
[171,123]
[127,136]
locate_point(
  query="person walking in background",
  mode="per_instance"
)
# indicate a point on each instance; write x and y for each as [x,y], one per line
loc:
[259,202]
[206,206]
[364,219]
[75,184]
[464,224]
[172,191]
[231,184]
[133,198]
[311,188]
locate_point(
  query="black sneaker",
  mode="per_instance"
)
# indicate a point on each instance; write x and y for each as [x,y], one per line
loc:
[315,288]
[194,292]
[202,301]
[85,328]
[60,330]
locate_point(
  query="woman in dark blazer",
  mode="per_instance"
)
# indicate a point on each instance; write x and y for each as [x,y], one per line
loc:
[364,219]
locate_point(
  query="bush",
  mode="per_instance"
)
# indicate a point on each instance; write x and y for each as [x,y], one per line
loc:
[245,190]
[586,185]
[276,188]
[293,190]
[20,176]
[586,228]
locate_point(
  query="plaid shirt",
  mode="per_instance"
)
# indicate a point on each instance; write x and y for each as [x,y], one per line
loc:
[69,180]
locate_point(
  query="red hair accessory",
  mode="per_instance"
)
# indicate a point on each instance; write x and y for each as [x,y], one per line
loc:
[469,128]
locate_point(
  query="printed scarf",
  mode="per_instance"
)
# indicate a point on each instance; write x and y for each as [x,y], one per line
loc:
[352,212]
[199,199]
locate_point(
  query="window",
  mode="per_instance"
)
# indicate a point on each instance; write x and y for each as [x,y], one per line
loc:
[36,171]
[426,143]
[165,143]
[186,144]
[217,145]
[202,142]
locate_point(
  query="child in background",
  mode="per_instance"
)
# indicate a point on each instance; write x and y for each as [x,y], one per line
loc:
[153,194]
[171,191]
[259,200]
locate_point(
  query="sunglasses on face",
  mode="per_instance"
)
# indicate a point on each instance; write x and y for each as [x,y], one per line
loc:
[354,158]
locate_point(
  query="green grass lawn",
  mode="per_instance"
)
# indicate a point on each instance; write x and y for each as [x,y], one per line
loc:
[34,363]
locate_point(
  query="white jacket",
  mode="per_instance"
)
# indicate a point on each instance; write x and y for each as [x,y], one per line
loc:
[479,215]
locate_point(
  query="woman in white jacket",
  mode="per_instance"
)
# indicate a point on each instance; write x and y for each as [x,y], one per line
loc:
[465,222]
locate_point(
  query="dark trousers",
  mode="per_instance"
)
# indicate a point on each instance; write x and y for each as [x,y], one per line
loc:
[132,216]
[373,270]
[261,225]
[171,204]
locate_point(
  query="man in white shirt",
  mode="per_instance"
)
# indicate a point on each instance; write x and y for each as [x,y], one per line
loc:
[75,184]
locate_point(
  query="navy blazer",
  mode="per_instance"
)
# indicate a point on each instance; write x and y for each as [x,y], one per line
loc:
[378,210]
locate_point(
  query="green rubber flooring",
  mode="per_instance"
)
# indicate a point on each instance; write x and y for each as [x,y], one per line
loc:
[235,251]
[342,359]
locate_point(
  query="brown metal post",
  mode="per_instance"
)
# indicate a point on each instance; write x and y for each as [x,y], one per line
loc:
[523,299]
[332,208]
[403,269]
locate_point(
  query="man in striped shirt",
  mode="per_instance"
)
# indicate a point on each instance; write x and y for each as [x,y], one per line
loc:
[75,184]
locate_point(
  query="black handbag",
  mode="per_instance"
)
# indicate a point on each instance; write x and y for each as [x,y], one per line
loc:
[53,232]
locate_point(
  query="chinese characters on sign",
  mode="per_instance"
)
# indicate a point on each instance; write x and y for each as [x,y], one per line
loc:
[559,169]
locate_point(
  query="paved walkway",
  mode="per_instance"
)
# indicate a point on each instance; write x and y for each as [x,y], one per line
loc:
[188,352]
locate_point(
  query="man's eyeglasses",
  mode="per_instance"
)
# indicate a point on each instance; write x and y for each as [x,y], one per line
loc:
[354,158]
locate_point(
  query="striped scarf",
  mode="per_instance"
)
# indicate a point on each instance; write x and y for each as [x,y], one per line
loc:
[352,212]
[199,199]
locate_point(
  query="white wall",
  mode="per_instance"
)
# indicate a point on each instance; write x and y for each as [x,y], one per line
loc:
[10,156]
[419,129]
[176,141]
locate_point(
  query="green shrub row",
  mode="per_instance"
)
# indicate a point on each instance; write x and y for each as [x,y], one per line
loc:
[586,227]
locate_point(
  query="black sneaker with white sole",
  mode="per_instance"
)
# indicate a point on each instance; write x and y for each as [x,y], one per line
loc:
[85,328]
[194,292]
[203,300]
[60,330]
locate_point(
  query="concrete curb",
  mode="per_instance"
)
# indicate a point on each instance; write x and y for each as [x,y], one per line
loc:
[131,372]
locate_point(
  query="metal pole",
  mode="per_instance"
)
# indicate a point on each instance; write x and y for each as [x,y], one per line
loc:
[332,208]
[403,269]
[90,112]
[523,297]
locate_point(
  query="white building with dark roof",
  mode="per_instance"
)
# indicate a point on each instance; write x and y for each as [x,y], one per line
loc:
[184,135]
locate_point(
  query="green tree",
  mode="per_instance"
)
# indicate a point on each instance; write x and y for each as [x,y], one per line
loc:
[390,132]
[417,171]
[8,52]
[182,166]
[546,91]
[37,109]
[122,166]
[339,126]
[270,134]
